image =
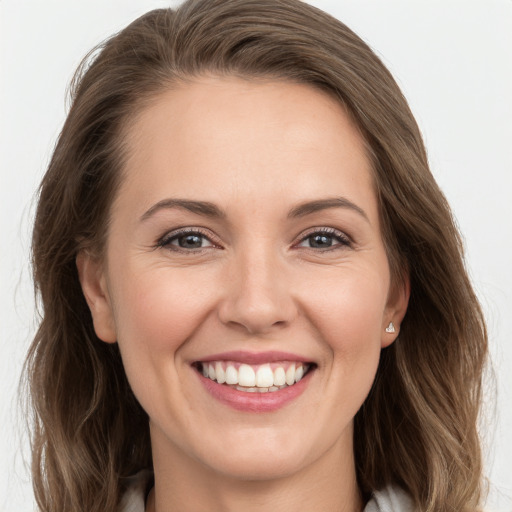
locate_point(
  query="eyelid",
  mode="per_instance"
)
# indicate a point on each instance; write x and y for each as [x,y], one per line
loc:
[345,240]
[164,241]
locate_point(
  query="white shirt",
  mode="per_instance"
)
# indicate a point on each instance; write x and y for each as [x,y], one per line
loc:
[390,499]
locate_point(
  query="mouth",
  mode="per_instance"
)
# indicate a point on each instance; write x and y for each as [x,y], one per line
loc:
[267,377]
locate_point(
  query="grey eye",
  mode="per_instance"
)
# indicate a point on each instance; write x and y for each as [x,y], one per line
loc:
[191,241]
[186,240]
[324,240]
[320,241]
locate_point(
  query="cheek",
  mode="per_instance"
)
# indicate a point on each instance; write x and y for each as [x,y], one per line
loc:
[348,307]
[348,314]
[159,309]
[156,312]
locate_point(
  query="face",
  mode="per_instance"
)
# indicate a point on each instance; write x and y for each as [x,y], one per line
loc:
[245,254]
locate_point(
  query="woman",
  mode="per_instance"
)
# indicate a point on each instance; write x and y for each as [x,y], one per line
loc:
[253,289]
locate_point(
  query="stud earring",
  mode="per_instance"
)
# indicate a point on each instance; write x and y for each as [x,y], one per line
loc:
[390,328]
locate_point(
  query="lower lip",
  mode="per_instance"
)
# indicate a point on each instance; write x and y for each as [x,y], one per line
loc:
[255,402]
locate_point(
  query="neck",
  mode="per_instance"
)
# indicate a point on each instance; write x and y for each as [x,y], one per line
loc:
[182,483]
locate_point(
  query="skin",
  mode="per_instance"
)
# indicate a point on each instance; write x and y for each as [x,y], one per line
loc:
[256,150]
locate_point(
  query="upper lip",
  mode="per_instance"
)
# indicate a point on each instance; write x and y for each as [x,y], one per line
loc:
[255,357]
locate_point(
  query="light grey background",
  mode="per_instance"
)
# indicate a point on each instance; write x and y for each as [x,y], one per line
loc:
[453,60]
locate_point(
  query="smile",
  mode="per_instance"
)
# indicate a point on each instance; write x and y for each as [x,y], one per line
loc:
[261,378]
[255,382]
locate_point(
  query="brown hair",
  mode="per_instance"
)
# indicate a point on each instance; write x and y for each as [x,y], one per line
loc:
[418,426]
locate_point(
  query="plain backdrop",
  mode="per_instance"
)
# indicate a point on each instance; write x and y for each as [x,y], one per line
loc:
[453,60]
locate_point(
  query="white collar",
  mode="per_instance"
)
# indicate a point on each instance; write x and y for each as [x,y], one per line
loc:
[389,499]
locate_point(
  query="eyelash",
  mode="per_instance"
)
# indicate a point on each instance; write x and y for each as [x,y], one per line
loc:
[342,239]
[165,242]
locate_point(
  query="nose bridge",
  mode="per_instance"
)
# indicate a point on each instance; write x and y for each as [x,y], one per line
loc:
[258,296]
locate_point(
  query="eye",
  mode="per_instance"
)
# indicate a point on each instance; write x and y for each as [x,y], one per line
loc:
[325,238]
[185,240]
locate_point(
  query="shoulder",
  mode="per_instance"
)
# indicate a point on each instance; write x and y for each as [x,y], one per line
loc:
[390,499]
[133,500]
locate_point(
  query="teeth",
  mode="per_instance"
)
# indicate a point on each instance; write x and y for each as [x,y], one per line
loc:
[264,378]
[246,376]
[231,375]
[246,389]
[290,375]
[220,373]
[260,390]
[279,376]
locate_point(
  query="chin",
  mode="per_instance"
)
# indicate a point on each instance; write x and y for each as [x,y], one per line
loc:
[259,464]
[267,453]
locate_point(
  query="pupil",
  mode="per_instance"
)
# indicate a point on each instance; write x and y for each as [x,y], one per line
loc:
[190,241]
[320,241]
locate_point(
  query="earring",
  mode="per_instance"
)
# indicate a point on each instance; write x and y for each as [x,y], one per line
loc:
[390,328]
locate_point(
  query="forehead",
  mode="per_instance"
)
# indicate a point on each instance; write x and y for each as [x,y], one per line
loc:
[222,137]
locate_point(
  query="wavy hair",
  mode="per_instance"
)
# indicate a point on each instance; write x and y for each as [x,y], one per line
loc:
[418,426]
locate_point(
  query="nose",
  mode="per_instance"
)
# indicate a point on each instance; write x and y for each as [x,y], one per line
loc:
[258,295]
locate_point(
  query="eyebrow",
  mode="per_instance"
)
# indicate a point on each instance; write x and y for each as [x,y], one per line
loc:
[207,209]
[203,208]
[323,204]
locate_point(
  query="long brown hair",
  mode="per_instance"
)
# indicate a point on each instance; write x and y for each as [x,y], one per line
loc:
[418,426]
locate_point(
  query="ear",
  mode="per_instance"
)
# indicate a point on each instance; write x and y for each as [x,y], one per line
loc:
[94,287]
[396,307]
